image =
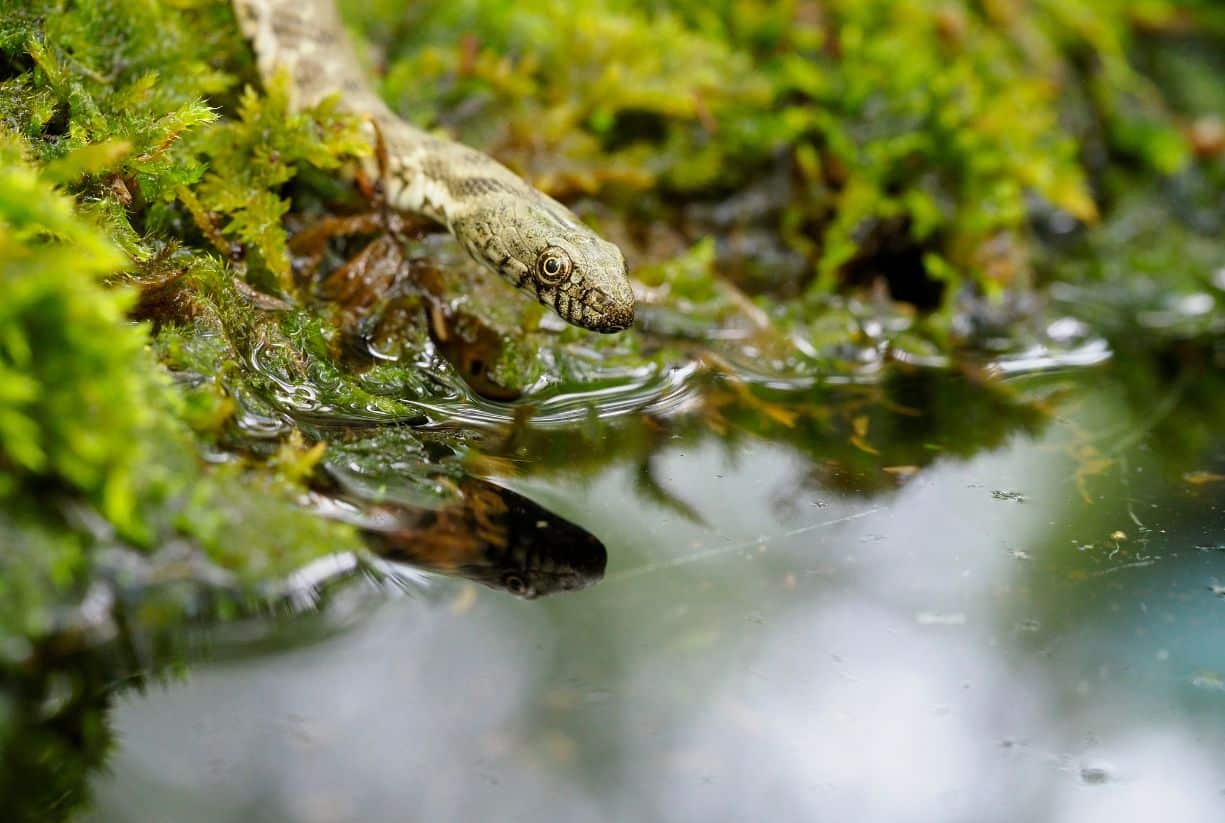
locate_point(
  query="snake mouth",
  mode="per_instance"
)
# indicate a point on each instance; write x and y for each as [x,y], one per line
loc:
[600,313]
[614,319]
[593,310]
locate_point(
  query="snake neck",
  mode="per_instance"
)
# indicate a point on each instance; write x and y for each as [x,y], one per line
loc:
[531,240]
[439,178]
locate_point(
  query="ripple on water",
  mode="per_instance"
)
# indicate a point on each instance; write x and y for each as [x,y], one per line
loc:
[657,392]
[442,398]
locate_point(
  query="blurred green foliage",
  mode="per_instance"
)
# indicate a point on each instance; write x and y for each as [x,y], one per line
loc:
[938,121]
[95,449]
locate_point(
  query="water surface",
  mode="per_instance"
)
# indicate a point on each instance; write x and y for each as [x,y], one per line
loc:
[900,620]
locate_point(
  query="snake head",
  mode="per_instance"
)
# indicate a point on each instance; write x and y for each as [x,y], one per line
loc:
[543,249]
[584,279]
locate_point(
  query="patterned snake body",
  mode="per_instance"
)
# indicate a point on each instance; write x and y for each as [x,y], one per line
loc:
[528,238]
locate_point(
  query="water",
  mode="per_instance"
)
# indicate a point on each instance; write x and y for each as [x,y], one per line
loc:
[930,601]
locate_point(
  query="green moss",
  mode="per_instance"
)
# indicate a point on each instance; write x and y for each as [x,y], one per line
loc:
[251,157]
[94,449]
[55,369]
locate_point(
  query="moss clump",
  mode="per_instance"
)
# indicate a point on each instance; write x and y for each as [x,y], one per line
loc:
[115,103]
[252,156]
[93,442]
[52,369]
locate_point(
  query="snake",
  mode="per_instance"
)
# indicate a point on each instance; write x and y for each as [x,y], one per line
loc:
[526,237]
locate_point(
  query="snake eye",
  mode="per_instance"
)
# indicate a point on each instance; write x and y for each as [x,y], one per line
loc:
[554,266]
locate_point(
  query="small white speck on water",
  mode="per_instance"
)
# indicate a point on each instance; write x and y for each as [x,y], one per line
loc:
[1209,682]
[940,618]
[1195,305]
[1067,328]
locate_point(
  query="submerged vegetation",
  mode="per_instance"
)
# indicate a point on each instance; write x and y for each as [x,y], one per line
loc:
[202,335]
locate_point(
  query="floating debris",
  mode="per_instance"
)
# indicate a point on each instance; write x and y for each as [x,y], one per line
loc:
[1209,682]
[902,473]
[1095,774]
[1201,478]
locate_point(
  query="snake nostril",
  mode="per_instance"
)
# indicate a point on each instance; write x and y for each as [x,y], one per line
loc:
[615,319]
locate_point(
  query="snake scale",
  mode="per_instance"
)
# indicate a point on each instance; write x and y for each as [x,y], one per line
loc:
[525,236]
